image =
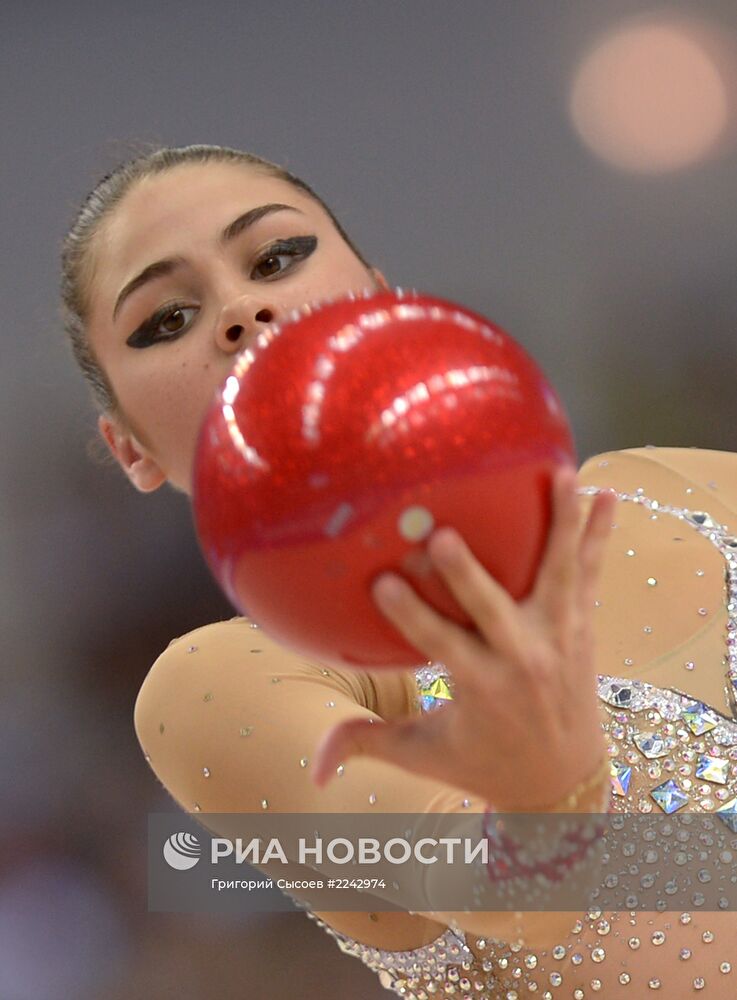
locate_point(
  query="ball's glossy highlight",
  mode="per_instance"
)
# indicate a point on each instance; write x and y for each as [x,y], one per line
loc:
[343,438]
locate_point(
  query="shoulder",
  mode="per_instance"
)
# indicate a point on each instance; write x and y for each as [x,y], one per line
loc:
[232,630]
[228,657]
[235,659]
[218,709]
[228,719]
[207,675]
[193,660]
[694,477]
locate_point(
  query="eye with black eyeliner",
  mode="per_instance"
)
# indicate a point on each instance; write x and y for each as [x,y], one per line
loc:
[298,248]
[165,324]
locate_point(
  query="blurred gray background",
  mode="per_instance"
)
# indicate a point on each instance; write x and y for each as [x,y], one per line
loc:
[442,134]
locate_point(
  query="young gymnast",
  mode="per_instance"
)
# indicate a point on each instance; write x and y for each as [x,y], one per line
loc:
[609,688]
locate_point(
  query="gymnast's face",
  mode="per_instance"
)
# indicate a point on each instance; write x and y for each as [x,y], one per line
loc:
[227,262]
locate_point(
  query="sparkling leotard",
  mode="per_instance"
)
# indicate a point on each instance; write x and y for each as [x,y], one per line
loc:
[227,736]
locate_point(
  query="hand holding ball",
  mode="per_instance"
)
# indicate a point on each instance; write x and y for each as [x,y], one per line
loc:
[343,438]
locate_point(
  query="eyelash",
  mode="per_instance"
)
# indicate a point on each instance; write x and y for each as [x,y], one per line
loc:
[298,248]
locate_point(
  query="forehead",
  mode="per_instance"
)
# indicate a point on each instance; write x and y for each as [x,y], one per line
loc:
[164,214]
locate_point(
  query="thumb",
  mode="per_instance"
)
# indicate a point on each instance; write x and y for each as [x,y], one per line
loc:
[394,742]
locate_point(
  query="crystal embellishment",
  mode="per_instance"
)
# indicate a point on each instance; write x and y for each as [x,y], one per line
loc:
[669,796]
[435,694]
[651,744]
[433,687]
[728,814]
[714,769]
[701,519]
[621,775]
[617,694]
[699,718]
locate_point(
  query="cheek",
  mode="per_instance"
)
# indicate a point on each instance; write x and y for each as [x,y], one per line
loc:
[185,400]
[335,274]
[167,412]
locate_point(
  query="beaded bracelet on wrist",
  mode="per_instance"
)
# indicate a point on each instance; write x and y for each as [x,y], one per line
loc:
[577,840]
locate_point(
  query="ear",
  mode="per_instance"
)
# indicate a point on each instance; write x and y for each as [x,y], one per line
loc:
[380,279]
[139,466]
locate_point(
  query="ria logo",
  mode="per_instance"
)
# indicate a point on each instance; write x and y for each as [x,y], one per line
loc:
[182,851]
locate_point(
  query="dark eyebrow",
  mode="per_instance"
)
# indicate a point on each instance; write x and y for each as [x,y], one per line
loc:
[250,218]
[161,268]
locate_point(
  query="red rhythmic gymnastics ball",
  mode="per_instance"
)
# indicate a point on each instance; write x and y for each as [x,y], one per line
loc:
[343,437]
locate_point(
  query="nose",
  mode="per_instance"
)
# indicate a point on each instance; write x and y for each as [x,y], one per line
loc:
[240,320]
